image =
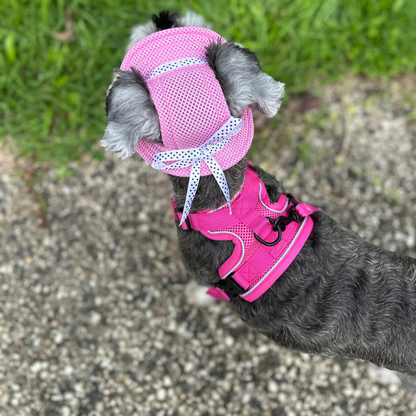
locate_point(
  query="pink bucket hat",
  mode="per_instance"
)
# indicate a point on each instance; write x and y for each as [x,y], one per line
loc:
[200,137]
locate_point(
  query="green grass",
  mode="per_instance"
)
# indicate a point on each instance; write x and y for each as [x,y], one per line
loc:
[52,94]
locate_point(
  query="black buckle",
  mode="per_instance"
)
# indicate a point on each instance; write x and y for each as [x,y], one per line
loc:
[187,222]
[276,227]
[292,199]
[229,286]
[293,214]
[280,223]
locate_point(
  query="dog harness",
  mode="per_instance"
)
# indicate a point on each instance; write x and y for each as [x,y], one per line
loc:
[267,237]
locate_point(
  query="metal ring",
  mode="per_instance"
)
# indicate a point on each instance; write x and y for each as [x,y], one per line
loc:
[273,243]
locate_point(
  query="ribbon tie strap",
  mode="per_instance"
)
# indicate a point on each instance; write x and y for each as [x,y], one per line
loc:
[183,158]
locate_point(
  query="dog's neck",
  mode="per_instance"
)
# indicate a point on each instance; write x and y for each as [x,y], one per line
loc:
[209,194]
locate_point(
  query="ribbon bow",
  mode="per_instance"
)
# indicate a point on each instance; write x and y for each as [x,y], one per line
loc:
[193,157]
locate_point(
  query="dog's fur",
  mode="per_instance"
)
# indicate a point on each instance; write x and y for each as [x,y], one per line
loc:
[341,296]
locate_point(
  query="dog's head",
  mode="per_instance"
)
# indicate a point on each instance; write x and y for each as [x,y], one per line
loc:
[131,114]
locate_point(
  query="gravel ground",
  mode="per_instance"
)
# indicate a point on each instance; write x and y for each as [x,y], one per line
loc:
[98,316]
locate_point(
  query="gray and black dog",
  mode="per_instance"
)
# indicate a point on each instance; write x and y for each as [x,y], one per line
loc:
[341,296]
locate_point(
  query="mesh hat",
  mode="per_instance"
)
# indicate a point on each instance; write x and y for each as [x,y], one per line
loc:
[188,99]
[200,137]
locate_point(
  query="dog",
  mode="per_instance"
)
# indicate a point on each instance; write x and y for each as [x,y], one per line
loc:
[340,296]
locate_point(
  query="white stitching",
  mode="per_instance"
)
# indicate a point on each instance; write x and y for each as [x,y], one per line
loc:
[270,209]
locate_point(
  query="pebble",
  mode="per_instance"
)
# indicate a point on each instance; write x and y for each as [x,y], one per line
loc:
[161,395]
[58,338]
[65,411]
[95,318]
[229,341]
[38,366]
[272,386]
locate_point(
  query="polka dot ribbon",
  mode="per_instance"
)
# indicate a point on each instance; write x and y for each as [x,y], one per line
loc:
[161,69]
[193,157]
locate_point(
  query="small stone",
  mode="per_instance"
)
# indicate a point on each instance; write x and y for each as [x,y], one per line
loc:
[263,349]
[65,411]
[68,370]
[161,395]
[188,367]
[57,398]
[246,398]
[99,407]
[226,385]
[4,398]
[68,395]
[38,366]
[58,338]
[14,402]
[44,375]
[348,392]
[229,341]
[167,381]
[282,397]
[272,386]
[393,388]
[95,318]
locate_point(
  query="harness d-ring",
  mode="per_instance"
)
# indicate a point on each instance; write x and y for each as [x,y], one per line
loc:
[279,237]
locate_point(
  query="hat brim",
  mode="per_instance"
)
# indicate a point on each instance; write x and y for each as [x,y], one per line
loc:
[227,157]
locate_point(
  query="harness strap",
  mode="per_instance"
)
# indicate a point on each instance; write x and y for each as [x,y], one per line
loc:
[243,211]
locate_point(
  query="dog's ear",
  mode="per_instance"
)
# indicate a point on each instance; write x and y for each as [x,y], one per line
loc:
[131,114]
[243,82]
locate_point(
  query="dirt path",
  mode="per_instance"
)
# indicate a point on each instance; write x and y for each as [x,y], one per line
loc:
[94,316]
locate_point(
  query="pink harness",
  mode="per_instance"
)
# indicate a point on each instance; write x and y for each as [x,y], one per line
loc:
[267,237]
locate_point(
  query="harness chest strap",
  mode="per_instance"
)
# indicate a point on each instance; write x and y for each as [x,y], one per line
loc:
[267,237]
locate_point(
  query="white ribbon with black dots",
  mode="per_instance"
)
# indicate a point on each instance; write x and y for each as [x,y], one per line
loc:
[161,69]
[194,157]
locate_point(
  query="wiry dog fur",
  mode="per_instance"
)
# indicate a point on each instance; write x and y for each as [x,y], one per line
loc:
[131,114]
[341,296]
[233,65]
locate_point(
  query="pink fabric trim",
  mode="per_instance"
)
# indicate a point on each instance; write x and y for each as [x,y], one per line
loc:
[306,209]
[218,294]
[235,259]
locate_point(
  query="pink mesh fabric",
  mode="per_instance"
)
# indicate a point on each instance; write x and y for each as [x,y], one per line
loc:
[190,105]
[252,245]
[188,99]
